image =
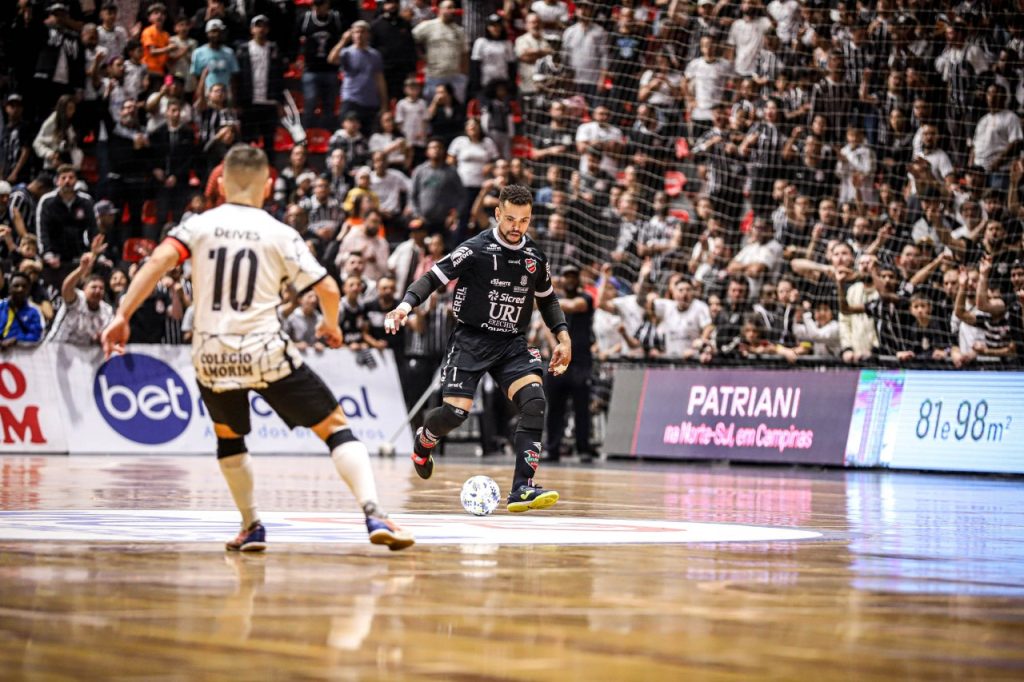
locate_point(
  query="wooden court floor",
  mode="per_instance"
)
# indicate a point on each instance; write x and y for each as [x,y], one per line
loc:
[642,572]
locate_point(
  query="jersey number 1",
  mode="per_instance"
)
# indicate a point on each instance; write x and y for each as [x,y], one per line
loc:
[220,256]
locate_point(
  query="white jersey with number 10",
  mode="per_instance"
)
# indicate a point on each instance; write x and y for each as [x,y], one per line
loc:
[241,259]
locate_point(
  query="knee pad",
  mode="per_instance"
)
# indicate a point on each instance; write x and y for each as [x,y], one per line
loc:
[445,419]
[340,437]
[229,447]
[531,403]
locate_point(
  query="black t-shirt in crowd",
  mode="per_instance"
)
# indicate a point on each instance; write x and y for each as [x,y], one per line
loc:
[148,323]
[375,313]
[497,282]
[351,318]
[581,330]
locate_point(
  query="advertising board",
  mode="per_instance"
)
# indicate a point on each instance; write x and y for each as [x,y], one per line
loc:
[737,414]
[943,421]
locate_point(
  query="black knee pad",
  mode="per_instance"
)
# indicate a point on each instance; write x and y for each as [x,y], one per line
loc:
[531,403]
[340,437]
[229,447]
[445,419]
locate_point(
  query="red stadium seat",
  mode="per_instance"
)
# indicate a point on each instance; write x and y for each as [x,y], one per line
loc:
[89,169]
[517,112]
[681,214]
[682,148]
[149,216]
[137,248]
[747,222]
[317,139]
[295,70]
[521,147]
[283,141]
[675,181]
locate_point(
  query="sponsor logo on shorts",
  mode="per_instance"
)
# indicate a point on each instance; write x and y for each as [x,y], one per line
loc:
[534,354]
[142,398]
[531,265]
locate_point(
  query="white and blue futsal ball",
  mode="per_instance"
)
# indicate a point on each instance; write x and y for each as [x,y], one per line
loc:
[480,495]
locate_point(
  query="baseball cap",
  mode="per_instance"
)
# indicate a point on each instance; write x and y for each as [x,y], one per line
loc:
[56,7]
[105,207]
[701,3]
[258,19]
[5,187]
[214,25]
[14,97]
[493,19]
[569,270]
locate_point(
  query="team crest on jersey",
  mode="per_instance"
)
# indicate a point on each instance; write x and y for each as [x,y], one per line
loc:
[531,265]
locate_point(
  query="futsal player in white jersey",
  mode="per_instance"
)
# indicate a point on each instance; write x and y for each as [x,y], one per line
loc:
[241,259]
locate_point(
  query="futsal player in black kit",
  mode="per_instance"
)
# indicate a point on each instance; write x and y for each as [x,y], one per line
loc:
[500,272]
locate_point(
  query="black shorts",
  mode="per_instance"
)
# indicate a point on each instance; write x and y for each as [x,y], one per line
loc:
[472,351]
[300,399]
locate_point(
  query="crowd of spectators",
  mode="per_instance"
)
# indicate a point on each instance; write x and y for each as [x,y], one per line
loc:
[809,180]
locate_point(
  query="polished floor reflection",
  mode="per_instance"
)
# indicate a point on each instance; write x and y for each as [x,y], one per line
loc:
[897,576]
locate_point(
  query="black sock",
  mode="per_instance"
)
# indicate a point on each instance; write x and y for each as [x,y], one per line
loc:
[441,421]
[527,446]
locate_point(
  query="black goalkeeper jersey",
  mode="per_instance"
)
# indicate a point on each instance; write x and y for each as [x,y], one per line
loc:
[497,282]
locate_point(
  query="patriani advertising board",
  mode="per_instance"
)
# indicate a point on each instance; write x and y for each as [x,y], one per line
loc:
[744,415]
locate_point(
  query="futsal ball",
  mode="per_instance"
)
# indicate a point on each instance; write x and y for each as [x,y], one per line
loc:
[386,450]
[480,495]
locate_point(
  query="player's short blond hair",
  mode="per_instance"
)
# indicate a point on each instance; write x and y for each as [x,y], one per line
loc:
[245,158]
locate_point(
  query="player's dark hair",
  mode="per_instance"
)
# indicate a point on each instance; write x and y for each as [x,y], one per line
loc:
[245,158]
[516,194]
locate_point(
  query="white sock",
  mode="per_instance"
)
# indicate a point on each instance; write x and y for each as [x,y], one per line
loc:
[237,470]
[352,460]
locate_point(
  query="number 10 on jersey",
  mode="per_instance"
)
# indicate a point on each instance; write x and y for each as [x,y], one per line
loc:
[239,301]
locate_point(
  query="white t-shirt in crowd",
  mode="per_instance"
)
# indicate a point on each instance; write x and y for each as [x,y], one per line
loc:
[592,131]
[471,157]
[241,257]
[551,14]
[680,328]
[411,117]
[993,135]
[527,43]
[709,79]
[389,189]
[494,57]
[77,323]
[786,14]
[747,37]
[630,310]
[607,334]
